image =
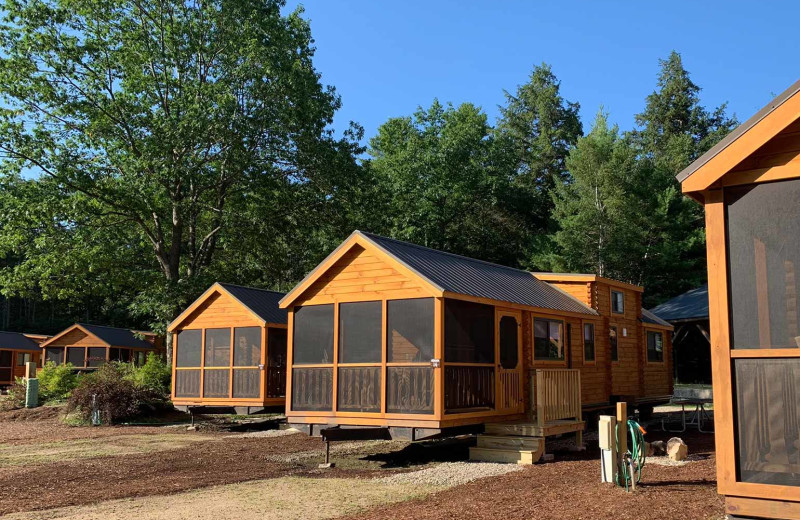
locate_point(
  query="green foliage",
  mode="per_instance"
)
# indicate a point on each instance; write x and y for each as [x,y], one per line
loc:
[112,392]
[16,395]
[155,375]
[56,382]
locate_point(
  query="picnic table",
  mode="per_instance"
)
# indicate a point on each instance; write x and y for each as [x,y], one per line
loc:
[697,415]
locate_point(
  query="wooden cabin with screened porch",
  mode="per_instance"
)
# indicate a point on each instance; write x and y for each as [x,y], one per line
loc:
[87,347]
[749,184]
[229,350]
[420,342]
[16,349]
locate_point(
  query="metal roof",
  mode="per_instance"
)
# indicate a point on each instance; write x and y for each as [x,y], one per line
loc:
[649,317]
[17,341]
[471,277]
[262,302]
[117,337]
[691,305]
[739,131]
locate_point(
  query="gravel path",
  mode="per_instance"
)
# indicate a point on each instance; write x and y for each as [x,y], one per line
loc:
[265,433]
[451,473]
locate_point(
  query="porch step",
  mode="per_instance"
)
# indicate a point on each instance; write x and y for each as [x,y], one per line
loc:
[534,430]
[507,442]
[515,456]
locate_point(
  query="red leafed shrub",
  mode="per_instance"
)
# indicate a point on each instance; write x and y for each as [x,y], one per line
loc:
[109,391]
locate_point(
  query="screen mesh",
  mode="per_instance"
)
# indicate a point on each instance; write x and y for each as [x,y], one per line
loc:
[468,332]
[509,342]
[187,383]
[359,389]
[246,382]
[123,355]
[312,389]
[76,356]
[218,348]
[96,356]
[54,354]
[6,362]
[768,407]
[247,346]
[360,325]
[763,258]
[189,348]
[313,335]
[409,390]
[276,362]
[410,335]
[215,383]
[468,387]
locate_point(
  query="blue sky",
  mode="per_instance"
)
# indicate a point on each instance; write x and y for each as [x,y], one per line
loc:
[386,58]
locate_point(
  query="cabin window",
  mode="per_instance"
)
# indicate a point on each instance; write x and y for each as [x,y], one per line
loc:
[247,346]
[617,302]
[76,356]
[96,356]
[360,332]
[189,348]
[588,341]
[410,330]
[468,332]
[548,340]
[313,335]
[218,348]
[655,346]
[612,342]
[122,355]
[22,358]
[276,362]
[54,355]
[764,263]
[6,365]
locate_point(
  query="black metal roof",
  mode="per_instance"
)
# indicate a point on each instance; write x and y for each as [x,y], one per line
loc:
[117,337]
[262,302]
[739,131]
[470,277]
[649,317]
[691,305]
[17,341]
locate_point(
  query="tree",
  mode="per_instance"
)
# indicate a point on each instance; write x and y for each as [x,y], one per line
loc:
[439,185]
[164,135]
[537,128]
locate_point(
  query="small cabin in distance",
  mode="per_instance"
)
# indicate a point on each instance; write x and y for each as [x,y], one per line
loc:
[391,334]
[749,185]
[16,349]
[86,347]
[229,350]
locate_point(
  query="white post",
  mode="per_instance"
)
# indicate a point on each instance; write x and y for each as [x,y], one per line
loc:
[607,429]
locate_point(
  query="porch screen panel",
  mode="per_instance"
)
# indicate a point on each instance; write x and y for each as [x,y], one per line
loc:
[764,262]
[312,389]
[76,356]
[409,390]
[360,326]
[767,408]
[6,370]
[246,382]
[359,389]
[276,362]
[468,387]
[247,346]
[189,348]
[54,354]
[187,383]
[509,342]
[410,330]
[218,348]
[313,335]
[468,332]
[215,383]
[96,356]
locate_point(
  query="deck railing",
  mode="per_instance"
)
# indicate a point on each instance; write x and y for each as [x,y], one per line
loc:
[556,394]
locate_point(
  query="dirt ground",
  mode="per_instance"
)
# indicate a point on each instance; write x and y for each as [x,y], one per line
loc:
[49,470]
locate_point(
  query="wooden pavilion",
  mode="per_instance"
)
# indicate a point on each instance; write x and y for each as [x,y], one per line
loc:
[749,184]
[206,371]
[87,347]
[16,349]
[389,334]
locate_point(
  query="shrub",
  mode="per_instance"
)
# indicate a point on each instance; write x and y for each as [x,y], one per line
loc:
[16,395]
[56,382]
[110,390]
[154,375]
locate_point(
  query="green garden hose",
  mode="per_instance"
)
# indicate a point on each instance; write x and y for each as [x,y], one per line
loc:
[630,470]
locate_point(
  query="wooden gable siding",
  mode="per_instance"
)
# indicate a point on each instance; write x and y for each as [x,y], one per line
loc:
[579,290]
[361,274]
[77,338]
[220,311]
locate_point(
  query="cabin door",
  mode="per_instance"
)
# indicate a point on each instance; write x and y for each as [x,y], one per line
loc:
[6,366]
[508,352]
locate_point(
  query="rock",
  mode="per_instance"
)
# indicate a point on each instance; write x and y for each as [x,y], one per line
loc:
[649,451]
[659,448]
[677,449]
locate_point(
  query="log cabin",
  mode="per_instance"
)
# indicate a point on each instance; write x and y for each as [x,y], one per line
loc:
[420,342]
[16,349]
[87,347]
[749,185]
[207,372]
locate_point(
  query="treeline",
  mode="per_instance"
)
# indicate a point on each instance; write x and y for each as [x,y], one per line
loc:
[149,149]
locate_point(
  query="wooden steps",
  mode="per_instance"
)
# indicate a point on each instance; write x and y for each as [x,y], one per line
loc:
[502,455]
[517,449]
[529,429]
